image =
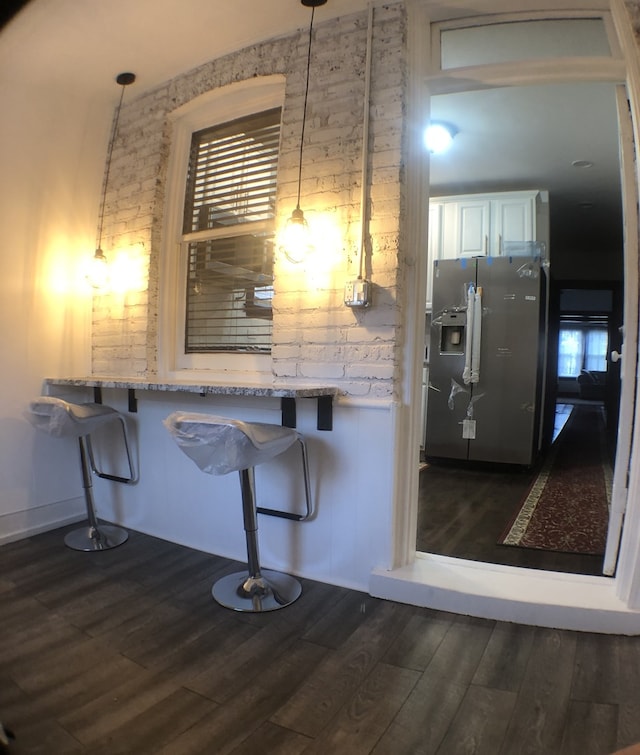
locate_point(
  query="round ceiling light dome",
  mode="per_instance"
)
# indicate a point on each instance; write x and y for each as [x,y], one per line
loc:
[582,164]
[438,137]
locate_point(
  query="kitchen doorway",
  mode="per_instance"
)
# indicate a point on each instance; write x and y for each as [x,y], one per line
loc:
[523,142]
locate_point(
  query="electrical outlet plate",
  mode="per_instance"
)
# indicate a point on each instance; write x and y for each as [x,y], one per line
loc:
[357,293]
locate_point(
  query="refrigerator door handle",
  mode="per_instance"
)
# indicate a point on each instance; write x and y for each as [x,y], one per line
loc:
[473,341]
[468,344]
[477,336]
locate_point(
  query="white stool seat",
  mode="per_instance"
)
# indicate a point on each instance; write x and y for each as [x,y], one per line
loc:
[61,419]
[219,445]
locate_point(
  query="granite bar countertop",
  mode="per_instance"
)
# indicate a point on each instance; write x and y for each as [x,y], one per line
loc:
[236,388]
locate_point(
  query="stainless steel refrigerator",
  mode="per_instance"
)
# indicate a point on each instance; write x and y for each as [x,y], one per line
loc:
[487,356]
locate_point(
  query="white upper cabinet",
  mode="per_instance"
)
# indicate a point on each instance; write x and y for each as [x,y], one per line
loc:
[481,225]
[470,235]
[514,222]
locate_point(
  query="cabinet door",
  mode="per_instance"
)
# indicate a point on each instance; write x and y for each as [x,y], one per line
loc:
[512,221]
[434,245]
[472,228]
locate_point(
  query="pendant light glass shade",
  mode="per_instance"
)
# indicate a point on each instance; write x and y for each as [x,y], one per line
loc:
[98,273]
[297,242]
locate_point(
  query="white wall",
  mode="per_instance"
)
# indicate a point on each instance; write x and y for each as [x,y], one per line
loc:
[51,159]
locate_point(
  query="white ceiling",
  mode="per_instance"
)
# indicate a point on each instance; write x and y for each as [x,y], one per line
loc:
[508,138]
[88,42]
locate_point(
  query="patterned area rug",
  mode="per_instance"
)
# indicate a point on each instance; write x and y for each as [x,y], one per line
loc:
[567,506]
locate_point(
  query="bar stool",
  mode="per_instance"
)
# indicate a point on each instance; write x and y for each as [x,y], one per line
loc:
[219,445]
[60,419]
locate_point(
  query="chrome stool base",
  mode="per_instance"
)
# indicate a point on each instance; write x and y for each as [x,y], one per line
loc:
[101,538]
[268,592]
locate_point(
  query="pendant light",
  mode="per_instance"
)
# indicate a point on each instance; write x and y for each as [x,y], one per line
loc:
[98,274]
[296,240]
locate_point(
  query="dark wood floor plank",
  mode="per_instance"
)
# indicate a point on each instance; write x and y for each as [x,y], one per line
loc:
[458,655]
[606,669]
[180,569]
[157,726]
[480,723]
[205,650]
[45,737]
[52,669]
[628,722]
[31,579]
[103,596]
[590,729]
[36,641]
[424,719]
[50,699]
[537,724]
[341,619]
[415,646]
[360,724]
[235,721]
[277,632]
[506,656]
[273,740]
[137,627]
[115,622]
[63,590]
[102,716]
[18,611]
[151,646]
[331,685]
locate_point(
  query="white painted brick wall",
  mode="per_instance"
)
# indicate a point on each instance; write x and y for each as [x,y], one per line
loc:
[316,338]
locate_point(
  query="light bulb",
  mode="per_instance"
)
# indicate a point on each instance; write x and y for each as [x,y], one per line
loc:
[296,242]
[438,137]
[98,273]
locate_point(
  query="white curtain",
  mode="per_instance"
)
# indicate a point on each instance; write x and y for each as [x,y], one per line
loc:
[581,348]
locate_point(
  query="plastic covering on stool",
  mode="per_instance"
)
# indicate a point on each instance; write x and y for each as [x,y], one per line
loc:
[219,445]
[60,418]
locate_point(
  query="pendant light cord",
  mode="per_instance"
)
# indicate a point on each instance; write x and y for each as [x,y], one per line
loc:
[108,170]
[304,110]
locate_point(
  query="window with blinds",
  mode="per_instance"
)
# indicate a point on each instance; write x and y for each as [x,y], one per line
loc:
[228,231]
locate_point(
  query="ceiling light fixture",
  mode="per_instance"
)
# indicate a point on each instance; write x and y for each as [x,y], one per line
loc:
[98,274]
[582,164]
[296,240]
[438,137]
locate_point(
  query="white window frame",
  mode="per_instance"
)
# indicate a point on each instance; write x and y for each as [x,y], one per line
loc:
[217,106]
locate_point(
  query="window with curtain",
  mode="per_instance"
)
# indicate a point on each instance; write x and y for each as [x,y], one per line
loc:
[228,231]
[582,347]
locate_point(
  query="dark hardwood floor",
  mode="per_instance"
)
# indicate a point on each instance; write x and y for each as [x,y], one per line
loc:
[464,509]
[126,652]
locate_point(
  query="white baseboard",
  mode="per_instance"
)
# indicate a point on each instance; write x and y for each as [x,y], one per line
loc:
[524,596]
[19,525]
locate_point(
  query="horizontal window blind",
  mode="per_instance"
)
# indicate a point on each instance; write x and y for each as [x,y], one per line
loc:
[229,234]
